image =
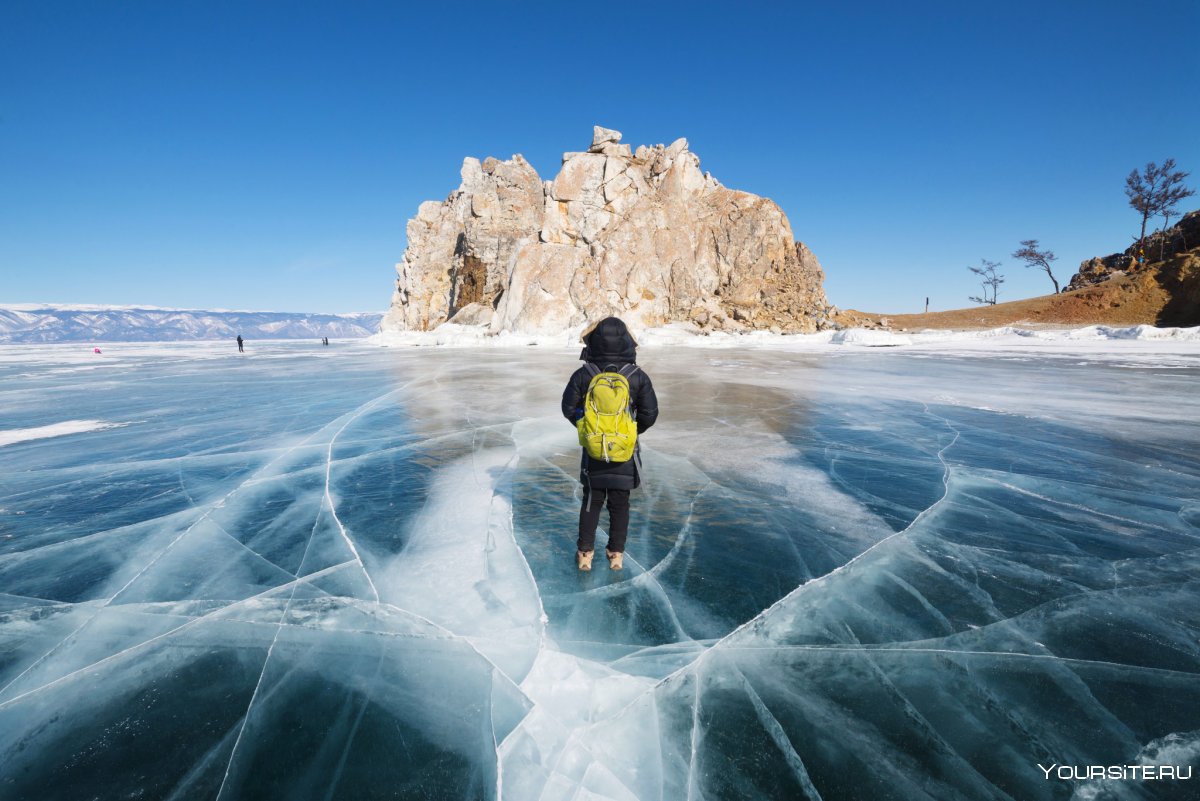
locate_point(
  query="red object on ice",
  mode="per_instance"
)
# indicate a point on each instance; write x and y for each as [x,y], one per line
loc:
[95,350]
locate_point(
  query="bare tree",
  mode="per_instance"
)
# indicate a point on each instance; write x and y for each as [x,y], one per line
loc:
[1033,257]
[989,279]
[1141,188]
[1171,195]
[1155,191]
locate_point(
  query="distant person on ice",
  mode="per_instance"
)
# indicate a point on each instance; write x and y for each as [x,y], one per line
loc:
[610,401]
[240,348]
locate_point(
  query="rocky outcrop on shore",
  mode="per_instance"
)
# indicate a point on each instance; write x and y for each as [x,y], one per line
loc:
[1160,246]
[1106,291]
[642,234]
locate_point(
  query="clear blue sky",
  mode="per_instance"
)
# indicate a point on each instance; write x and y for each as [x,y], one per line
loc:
[267,155]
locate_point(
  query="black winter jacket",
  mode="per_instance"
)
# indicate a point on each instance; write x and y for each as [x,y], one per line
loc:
[610,346]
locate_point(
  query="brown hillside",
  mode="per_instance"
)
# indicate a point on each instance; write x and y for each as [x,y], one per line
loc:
[1164,294]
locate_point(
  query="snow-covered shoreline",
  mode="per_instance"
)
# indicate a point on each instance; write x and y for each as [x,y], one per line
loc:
[1136,343]
[1093,338]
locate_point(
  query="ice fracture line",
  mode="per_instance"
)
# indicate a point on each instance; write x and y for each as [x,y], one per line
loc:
[157,557]
[138,646]
[278,628]
[695,664]
[941,455]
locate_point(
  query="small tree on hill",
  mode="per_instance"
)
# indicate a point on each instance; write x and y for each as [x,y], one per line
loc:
[989,279]
[1171,197]
[1033,257]
[1156,191]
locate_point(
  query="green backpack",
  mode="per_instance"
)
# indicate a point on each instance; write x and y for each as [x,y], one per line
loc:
[607,430]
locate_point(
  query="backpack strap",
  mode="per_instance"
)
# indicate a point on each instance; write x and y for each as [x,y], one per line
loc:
[629,371]
[587,490]
[626,370]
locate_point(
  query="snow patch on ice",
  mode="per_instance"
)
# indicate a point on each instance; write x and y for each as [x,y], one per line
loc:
[14,435]
[1181,749]
[870,338]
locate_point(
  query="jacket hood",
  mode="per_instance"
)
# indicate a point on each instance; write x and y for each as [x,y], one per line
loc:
[609,341]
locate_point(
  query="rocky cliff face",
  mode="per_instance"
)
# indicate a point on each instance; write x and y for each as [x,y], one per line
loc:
[1160,246]
[643,235]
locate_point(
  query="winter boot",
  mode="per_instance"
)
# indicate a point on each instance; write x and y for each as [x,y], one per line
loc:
[615,559]
[583,559]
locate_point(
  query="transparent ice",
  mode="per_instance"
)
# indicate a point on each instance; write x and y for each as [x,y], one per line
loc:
[347,573]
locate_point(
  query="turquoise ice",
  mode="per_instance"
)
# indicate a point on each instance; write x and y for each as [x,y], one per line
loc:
[348,572]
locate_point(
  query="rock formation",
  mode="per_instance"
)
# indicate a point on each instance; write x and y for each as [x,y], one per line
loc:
[643,235]
[1159,246]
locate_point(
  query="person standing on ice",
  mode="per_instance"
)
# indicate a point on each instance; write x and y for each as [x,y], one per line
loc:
[240,341]
[610,400]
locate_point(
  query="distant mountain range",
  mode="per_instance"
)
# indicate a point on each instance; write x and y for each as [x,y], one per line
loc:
[73,323]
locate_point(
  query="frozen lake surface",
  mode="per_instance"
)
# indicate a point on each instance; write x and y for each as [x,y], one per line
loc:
[347,573]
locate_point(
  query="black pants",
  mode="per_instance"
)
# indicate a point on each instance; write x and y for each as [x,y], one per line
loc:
[618,518]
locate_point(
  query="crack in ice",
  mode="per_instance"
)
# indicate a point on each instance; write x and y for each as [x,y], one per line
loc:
[859,557]
[775,731]
[165,634]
